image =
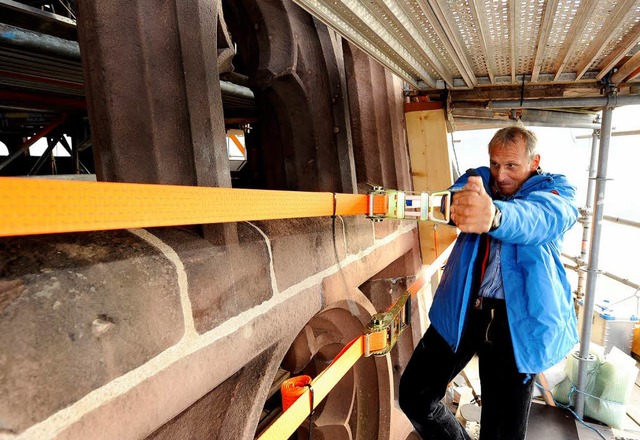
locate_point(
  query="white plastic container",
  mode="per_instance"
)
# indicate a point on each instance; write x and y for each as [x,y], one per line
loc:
[612,327]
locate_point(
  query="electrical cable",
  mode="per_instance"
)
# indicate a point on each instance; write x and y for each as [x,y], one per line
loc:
[350,304]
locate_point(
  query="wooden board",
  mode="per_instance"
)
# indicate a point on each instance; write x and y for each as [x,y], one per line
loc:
[431,171]
[548,422]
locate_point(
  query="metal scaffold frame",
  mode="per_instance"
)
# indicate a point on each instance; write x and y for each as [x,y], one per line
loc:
[595,197]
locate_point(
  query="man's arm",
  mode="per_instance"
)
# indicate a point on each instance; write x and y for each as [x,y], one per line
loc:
[541,217]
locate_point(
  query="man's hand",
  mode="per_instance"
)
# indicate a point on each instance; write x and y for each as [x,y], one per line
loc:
[472,209]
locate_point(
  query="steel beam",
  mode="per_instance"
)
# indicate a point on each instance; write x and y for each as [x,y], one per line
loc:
[414,35]
[356,23]
[613,133]
[33,139]
[37,13]
[445,28]
[40,102]
[30,40]
[48,153]
[529,122]
[514,11]
[622,221]
[482,26]
[604,101]
[586,215]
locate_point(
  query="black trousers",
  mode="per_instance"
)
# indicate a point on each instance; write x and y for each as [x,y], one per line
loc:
[505,393]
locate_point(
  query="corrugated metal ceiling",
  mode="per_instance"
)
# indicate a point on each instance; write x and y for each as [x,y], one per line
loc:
[463,44]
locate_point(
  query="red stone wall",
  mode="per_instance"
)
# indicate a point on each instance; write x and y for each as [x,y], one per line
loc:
[179,332]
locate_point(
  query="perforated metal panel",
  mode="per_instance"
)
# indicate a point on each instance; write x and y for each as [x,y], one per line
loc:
[463,43]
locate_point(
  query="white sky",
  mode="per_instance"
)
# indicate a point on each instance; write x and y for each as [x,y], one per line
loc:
[562,153]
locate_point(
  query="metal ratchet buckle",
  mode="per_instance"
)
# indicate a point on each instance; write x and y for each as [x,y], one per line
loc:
[419,206]
[371,195]
[444,206]
[391,323]
[404,205]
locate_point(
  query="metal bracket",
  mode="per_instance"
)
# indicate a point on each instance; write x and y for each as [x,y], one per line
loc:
[388,325]
[444,205]
[375,191]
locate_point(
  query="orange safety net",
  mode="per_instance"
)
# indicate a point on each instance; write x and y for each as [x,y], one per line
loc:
[41,206]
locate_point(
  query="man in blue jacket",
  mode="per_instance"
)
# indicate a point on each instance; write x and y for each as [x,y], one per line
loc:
[504,294]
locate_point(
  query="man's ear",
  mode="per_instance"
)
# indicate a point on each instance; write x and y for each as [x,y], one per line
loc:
[535,162]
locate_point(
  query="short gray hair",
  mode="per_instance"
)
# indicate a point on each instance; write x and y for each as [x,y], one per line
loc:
[510,135]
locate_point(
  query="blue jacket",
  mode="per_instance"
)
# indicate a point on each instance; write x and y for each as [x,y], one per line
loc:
[537,294]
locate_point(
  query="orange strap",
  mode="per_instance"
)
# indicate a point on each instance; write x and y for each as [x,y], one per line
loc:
[299,410]
[293,388]
[238,145]
[40,206]
[289,420]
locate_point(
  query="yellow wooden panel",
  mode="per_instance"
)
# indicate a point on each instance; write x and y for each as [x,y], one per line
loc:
[431,171]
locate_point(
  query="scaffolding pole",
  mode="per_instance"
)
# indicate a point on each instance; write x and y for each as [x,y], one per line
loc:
[586,217]
[622,221]
[596,232]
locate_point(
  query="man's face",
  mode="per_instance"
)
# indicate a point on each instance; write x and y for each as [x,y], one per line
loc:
[511,166]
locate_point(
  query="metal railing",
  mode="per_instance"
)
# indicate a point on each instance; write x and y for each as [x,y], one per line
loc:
[581,264]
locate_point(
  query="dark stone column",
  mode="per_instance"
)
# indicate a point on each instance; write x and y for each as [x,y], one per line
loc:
[153,93]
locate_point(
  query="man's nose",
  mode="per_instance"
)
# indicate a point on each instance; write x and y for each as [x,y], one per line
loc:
[501,174]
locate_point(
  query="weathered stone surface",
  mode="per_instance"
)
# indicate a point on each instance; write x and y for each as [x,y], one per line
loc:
[301,248]
[360,400]
[292,74]
[153,92]
[203,419]
[221,414]
[224,280]
[382,229]
[406,265]
[359,230]
[370,118]
[383,292]
[149,403]
[77,311]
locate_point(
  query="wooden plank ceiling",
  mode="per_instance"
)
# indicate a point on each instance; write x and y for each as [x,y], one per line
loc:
[496,49]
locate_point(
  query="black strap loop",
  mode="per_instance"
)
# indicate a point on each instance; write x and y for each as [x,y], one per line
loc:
[311,387]
[335,205]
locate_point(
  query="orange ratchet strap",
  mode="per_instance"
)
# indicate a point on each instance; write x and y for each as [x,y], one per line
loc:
[378,343]
[41,206]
